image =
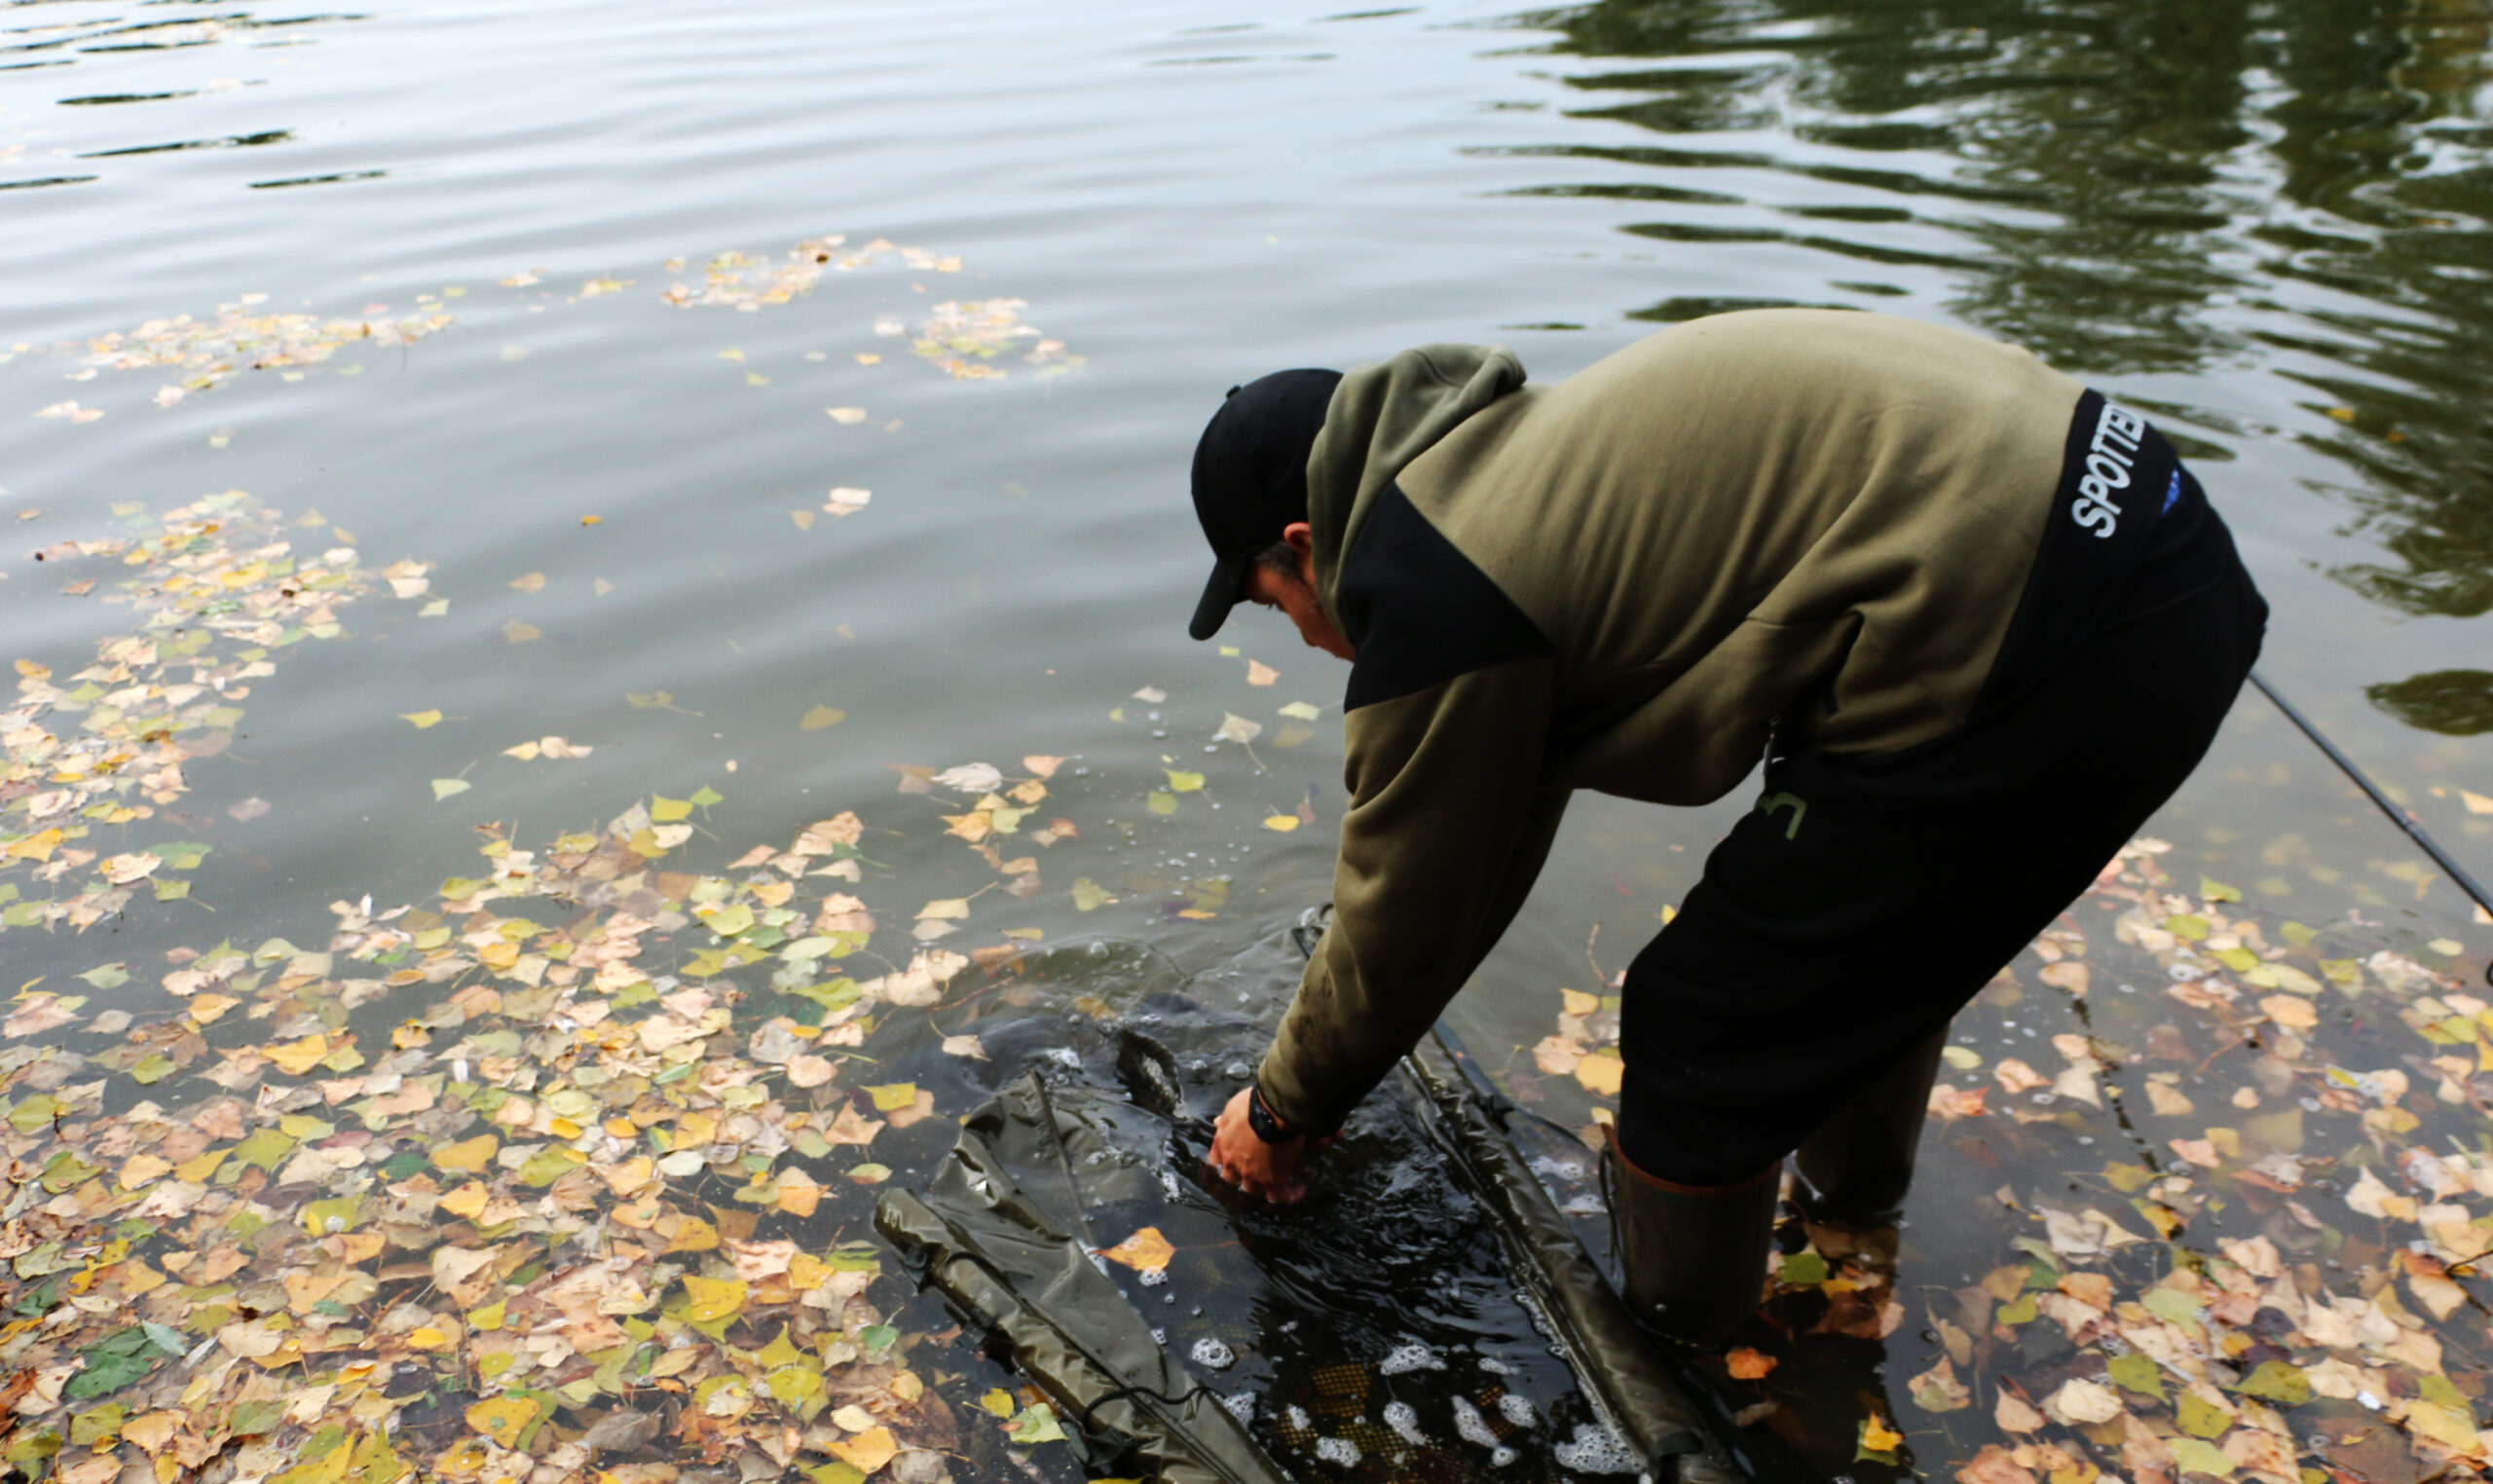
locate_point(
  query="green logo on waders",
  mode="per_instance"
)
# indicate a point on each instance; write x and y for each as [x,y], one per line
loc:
[1795,802]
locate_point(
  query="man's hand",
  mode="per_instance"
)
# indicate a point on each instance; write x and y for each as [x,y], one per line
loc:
[1268,1171]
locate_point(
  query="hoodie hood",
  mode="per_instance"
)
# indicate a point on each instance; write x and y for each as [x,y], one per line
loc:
[1381,418]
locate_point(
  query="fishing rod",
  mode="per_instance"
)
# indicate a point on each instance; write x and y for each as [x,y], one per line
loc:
[2399,817]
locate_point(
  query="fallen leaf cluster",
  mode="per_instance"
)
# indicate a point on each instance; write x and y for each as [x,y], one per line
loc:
[219,594]
[561,1210]
[205,352]
[2277,1278]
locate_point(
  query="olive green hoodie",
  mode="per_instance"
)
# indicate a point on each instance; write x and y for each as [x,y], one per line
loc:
[1806,522]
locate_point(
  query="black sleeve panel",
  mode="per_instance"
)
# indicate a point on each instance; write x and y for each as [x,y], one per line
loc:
[1419,611]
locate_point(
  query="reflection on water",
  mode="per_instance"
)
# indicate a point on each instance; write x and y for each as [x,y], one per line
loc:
[2167,188]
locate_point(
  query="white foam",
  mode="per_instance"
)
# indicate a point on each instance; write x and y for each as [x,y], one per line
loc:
[1411,1356]
[1153,1277]
[1405,1419]
[1297,1417]
[1470,1425]
[1518,1410]
[1241,1405]
[1501,1455]
[1495,1367]
[1596,1449]
[1339,1451]
[1210,1352]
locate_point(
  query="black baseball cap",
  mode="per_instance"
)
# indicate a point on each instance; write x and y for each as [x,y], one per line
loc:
[1251,479]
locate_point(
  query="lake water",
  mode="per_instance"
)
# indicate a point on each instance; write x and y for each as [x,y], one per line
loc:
[998,263]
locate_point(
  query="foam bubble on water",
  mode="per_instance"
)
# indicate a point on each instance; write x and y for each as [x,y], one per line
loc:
[1405,1419]
[1168,1182]
[1495,1367]
[1586,1205]
[1159,1337]
[1153,1277]
[1470,1425]
[1209,1352]
[1297,1416]
[1596,1449]
[1518,1410]
[1338,1451]
[1549,1169]
[1411,1356]
[1501,1455]
[1241,1405]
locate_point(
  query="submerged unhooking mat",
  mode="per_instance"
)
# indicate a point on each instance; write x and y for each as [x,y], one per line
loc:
[1426,1313]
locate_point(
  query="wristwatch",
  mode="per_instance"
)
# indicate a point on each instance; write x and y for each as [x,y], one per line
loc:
[1266,1123]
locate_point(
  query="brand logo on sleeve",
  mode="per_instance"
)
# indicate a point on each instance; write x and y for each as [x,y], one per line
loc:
[2110,459]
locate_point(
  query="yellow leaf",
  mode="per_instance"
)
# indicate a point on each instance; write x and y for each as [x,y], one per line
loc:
[868,1451]
[712,1298]
[533,582]
[143,1168]
[1601,1072]
[503,1419]
[2476,803]
[821,717]
[1878,1438]
[422,719]
[198,1169]
[1183,783]
[1145,1252]
[467,1201]
[443,788]
[298,1056]
[1285,823]
[893,1094]
[1577,1002]
[467,1155]
[999,1402]
[425,1337]
[694,1235]
[664,810]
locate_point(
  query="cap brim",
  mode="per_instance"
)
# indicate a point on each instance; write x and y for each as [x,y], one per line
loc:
[1225,591]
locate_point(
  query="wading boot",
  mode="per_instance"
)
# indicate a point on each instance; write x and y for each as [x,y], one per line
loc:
[1856,1168]
[1692,1258]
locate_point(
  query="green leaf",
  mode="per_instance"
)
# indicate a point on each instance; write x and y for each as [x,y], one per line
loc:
[1037,1423]
[2200,1418]
[106,977]
[706,796]
[97,1426]
[113,1362]
[1802,1270]
[1162,802]
[2216,891]
[153,1068]
[2193,1455]
[2136,1372]
[263,1147]
[2279,1381]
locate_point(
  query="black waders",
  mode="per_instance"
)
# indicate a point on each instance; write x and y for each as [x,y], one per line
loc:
[1856,1168]
[1691,1259]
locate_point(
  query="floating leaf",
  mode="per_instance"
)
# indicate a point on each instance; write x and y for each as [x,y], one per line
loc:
[821,717]
[1145,1252]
